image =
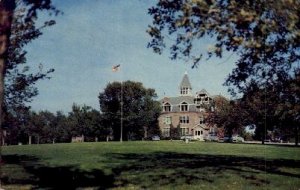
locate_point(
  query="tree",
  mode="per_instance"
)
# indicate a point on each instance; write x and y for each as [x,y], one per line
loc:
[49,127]
[19,81]
[261,104]
[175,132]
[228,115]
[62,132]
[85,121]
[17,28]
[288,109]
[265,34]
[77,119]
[139,112]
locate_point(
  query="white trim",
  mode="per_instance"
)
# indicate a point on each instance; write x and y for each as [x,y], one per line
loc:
[164,105]
[188,106]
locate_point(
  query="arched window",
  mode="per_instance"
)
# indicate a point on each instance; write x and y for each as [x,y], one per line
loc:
[167,107]
[183,106]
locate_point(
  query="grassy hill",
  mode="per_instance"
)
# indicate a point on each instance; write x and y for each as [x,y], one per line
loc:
[150,165]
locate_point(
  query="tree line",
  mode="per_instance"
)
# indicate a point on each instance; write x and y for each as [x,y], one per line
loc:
[31,127]
[139,117]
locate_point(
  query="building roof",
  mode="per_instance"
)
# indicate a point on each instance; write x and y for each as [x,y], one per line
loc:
[203,91]
[176,101]
[185,83]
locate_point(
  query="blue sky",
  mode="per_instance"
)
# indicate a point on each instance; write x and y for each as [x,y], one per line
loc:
[92,36]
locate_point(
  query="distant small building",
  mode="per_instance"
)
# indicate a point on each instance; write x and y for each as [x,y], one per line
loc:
[187,112]
[77,139]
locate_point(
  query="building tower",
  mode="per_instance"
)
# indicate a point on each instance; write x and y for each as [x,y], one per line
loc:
[185,86]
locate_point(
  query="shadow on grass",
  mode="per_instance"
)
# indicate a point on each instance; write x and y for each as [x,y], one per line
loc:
[46,177]
[164,168]
[149,171]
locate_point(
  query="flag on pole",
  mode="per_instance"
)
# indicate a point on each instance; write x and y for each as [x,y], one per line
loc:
[116,68]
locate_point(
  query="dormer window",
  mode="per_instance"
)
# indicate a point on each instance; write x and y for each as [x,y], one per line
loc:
[167,107]
[183,106]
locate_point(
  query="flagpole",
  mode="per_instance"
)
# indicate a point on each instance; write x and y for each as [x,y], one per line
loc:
[121,131]
[115,69]
[122,92]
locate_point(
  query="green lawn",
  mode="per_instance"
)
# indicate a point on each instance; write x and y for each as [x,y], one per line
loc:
[150,165]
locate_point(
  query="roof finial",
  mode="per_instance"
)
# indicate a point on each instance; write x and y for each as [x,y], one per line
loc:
[185,72]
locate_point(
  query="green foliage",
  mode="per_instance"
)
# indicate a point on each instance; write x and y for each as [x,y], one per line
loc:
[175,132]
[270,108]
[18,28]
[228,115]
[19,79]
[47,127]
[139,110]
[87,122]
[265,34]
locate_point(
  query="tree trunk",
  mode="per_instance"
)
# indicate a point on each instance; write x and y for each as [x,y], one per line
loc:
[296,135]
[145,132]
[29,139]
[2,137]
[6,13]
[263,136]
[2,71]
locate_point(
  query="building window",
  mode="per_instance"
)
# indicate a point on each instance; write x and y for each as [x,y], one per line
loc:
[184,91]
[184,119]
[183,106]
[197,101]
[167,107]
[202,99]
[201,120]
[168,120]
[184,131]
[166,132]
[198,133]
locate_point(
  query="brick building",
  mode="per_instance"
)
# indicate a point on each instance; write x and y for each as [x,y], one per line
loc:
[187,112]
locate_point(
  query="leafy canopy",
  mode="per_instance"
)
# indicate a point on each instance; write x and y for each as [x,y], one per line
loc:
[134,104]
[265,34]
[24,28]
